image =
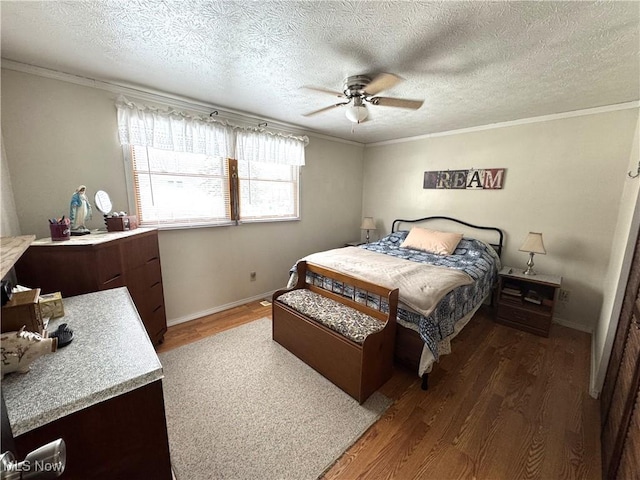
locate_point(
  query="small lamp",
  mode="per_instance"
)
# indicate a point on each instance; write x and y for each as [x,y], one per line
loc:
[532,244]
[368,224]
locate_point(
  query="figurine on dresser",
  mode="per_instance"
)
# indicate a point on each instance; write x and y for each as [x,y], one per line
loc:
[80,211]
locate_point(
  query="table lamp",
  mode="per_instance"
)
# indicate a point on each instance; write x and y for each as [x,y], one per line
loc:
[368,224]
[532,244]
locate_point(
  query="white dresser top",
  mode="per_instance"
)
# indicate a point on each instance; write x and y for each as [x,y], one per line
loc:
[110,354]
[94,238]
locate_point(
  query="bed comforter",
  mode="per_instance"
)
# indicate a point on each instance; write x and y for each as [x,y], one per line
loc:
[435,313]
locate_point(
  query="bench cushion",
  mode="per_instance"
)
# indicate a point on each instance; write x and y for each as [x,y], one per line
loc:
[346,321]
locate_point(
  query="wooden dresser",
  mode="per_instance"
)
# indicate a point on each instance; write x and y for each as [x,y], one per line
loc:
[101,261]
[102,394]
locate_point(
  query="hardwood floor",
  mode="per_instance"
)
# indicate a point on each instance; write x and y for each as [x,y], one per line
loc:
[505,405]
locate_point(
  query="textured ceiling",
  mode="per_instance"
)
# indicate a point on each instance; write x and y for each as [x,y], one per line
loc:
[474,63]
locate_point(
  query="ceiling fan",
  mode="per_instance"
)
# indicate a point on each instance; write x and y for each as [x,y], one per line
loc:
[360,90]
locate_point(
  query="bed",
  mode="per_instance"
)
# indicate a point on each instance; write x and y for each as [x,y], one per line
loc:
[439,292]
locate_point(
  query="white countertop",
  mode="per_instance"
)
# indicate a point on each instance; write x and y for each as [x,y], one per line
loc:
[94,238]
[110,354]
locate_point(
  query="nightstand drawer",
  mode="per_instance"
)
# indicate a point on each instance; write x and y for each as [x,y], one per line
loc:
[521,316]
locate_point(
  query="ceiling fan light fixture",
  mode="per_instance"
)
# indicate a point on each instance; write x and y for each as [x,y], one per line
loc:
[357,113]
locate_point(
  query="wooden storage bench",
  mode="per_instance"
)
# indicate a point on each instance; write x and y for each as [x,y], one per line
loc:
[348,342]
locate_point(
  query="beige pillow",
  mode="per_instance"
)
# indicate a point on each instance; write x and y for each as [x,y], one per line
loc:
[433,241]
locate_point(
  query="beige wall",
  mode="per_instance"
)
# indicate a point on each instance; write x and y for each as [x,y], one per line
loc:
[209,268]
[59,135]
[9,225]
[564,178]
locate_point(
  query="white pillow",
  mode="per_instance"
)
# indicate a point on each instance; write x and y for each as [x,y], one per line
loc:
[432,241]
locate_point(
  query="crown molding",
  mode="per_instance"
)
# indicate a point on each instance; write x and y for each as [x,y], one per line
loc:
[246,119]
[175,101]
[511,123]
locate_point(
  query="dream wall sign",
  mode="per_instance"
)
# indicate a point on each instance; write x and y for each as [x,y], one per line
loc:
[481,179]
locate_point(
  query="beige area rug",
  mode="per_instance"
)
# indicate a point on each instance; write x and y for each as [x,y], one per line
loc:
[240,406]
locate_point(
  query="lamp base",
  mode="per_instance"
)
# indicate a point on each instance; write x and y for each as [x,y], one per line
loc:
[529,270]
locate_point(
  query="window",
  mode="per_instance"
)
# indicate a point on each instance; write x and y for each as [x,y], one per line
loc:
[268,191]
[188,170]
[189,189]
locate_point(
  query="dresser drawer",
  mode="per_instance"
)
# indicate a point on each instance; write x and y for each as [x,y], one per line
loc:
[156,324]
[145,277]
[141,250]
[109,267]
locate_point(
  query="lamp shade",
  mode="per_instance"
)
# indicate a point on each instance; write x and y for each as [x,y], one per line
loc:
[533,244]
[368,224]
[357,113]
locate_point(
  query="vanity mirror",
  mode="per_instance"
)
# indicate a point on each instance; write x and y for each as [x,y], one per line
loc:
[103,202]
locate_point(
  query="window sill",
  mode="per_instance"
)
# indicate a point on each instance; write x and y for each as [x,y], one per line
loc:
[188,226]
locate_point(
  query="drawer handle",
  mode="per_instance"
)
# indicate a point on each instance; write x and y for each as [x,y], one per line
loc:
[157,283]
[157,308]
[152,259]
[113,278]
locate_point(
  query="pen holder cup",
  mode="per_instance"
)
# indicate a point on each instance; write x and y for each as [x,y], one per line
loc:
[60,231]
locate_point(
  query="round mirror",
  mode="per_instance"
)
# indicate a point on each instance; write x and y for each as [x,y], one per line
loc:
[103,202]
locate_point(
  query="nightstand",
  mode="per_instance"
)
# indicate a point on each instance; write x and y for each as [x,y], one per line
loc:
[353,244]
[527,302]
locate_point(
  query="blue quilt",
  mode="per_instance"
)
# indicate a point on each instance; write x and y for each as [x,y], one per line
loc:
[476,258]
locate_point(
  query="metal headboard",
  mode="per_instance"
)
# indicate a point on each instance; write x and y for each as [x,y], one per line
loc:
[496,246]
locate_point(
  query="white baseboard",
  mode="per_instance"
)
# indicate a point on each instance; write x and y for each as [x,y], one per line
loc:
[594,391]
[574,325]
[211,311]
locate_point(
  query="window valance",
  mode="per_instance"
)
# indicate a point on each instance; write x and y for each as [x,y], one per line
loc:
[148,126]
[262,146]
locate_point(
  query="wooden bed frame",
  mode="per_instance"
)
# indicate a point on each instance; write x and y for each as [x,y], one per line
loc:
[409,345]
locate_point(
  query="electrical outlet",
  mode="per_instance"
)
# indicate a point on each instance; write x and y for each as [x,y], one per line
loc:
[563,296]
[252,276]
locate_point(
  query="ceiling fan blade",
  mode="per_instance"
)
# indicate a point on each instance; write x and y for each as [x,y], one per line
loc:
[324,90]
[382,82]
[330,107]
[397,102]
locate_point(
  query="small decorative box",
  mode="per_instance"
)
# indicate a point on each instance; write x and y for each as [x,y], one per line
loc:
[51,305]
[122,223]
[22,311]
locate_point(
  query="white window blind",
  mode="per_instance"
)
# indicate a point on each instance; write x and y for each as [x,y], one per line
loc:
[177,188]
